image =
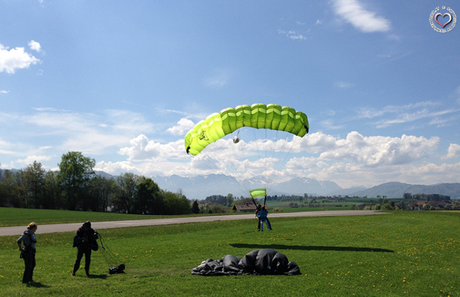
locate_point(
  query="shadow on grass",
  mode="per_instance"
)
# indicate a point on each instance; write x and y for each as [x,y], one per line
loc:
[37,285]
[310,248]
[101,276]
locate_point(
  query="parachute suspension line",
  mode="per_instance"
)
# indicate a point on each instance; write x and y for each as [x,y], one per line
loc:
[230,168]
[220,157]
[108,255]
[237,154]
[234,169]
[268,179]
[286,153]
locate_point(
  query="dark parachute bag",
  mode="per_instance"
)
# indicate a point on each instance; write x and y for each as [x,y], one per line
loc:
[117,269]
[109,256]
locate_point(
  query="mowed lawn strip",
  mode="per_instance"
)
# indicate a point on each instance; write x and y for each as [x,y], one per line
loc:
[23,216]
[403,254]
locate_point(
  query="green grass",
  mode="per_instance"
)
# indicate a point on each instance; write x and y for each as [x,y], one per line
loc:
[401,254]
[23,216]
[325,206]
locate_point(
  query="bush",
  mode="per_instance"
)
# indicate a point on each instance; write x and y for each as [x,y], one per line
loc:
[387,206]
[217,209]
[278,209]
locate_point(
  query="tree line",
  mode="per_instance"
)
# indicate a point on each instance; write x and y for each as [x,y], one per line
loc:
[77,187]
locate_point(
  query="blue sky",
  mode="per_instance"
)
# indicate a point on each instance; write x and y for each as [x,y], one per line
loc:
[122,82]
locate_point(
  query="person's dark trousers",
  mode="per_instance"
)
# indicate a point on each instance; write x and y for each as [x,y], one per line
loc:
[87,253]
[268,224]
[262,220]
[29,262]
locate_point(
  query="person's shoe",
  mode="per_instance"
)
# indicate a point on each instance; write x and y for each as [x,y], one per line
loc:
[87,275]
[73,274]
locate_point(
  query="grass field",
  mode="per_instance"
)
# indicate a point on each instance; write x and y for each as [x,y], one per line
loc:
[324,206]
[401,254]
[22,217]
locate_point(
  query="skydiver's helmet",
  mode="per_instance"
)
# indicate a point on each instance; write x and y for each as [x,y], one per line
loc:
[236,139]
[87,224]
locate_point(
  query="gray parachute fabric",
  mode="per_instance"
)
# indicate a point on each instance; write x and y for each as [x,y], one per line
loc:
[259,262]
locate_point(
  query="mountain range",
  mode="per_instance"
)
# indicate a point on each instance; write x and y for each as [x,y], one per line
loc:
[202,186]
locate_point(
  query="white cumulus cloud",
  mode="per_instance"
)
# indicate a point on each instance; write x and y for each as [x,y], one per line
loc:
[35,46]
[14,59]
[380,150]
[143,149]
[183,126]
[452,152]
[353,12]
[116,167]
[31,158]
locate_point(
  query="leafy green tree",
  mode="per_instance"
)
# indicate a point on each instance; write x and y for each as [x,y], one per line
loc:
[3,189]
[75,173]
[176,203]
[407,196]
[147,197]
[195,207]
[230,199]
[35,179]
[101,192]
[19,197]
[220,199]
[387,206]
[217,209]
[7,188]
[403,205]
[125,192]
[52,192]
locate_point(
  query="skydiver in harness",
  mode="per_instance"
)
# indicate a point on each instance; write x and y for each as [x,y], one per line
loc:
[262,214]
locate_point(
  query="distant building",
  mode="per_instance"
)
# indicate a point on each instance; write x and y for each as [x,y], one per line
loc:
[245,208]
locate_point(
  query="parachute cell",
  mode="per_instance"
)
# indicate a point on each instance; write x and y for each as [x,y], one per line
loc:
[259,116]
[261,192]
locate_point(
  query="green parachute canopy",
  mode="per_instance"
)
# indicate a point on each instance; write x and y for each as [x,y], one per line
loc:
[259,116]
[261,192]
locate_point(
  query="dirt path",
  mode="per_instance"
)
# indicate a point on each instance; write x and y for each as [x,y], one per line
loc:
[18,230]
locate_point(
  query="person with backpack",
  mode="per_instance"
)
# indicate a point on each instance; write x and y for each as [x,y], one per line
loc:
[85,242]
[261,214]
[28,251]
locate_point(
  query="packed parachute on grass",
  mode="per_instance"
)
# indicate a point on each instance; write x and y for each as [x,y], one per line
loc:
[256,262]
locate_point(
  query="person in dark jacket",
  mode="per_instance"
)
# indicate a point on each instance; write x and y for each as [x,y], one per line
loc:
[85,241]
[261,214]
[28,251]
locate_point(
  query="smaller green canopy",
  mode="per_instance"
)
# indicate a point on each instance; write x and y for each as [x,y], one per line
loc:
[261,192]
